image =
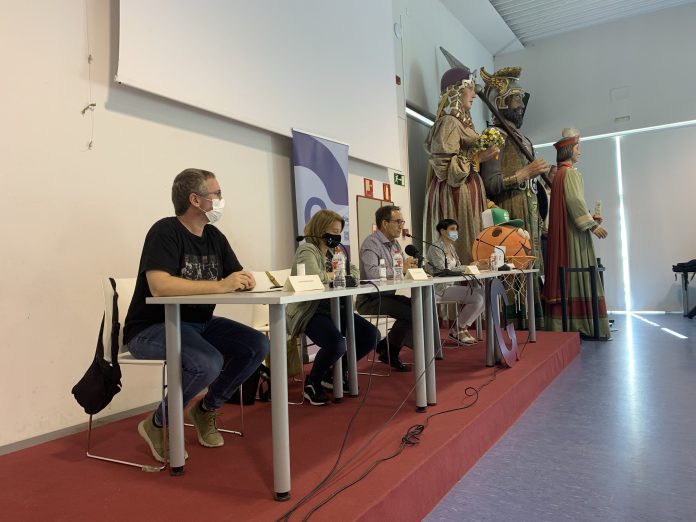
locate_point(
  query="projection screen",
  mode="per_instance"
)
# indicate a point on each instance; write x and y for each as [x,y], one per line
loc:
[323,66]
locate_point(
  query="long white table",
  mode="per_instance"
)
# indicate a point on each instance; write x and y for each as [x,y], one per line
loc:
[421,313]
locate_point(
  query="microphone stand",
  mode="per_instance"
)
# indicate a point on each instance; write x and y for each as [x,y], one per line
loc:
[496,247]
[444,272]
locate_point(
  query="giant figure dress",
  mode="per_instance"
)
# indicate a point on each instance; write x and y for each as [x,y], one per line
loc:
[570,244]
[455,189]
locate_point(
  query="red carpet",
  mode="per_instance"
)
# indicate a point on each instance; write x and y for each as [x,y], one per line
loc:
[55,480]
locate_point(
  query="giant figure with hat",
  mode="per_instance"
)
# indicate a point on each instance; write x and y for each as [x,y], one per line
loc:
[454,187]
[511,179]
[570,245]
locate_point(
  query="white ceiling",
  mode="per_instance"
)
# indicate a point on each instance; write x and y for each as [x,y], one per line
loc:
[526,21]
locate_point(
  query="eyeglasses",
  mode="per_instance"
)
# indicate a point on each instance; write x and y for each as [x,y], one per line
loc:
[397,221]
[217,193]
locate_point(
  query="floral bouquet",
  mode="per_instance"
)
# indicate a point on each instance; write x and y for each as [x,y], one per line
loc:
[490,137]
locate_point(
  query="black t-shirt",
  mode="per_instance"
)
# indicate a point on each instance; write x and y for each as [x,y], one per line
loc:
[170,247]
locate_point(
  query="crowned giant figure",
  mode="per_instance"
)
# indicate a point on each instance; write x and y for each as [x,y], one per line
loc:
[511,179]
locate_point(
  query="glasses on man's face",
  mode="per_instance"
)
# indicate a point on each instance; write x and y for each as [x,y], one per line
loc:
[217,193]
[399,222]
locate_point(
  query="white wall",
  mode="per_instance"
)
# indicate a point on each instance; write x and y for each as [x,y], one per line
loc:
[426,27]
[72,215]
[659,194]
[645,61]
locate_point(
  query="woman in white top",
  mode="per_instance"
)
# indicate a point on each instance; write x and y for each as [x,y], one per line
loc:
[471,299]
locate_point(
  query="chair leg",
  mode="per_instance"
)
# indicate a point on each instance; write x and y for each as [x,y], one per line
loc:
[143,467]
[302,347]
[374,354]
[455,337]
[239,432]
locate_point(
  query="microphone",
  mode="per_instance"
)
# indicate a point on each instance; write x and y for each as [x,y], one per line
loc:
[414,252]
[430,244]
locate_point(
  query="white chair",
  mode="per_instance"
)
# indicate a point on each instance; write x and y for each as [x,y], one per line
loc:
[439,301]
[384,324]
[125,288]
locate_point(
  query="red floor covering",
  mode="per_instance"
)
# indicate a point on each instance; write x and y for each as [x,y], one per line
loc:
[56,481]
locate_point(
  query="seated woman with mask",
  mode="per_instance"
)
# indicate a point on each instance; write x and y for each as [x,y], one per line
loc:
[313,318]
[471,299]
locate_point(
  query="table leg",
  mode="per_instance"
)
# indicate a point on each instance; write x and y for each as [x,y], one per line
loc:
[685,292]
[490,336]
[439,355]
[418,348]
[531,312]
[175,401]
[428,332]
[279,404]
[350,347]
[338,365]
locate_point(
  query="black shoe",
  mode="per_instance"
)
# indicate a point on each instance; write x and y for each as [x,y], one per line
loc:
[328,384]
[315,394]
[394,362]
[381,347]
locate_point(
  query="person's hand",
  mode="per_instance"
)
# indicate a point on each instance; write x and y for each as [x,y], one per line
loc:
[241,280]
[598,219]
[600,232]
[532,170]
[410,262]
[490,153]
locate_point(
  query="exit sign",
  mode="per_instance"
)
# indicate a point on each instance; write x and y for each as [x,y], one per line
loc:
[399,179]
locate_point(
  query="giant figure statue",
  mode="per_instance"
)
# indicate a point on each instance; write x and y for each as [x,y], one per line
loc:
[454,187]
[570,245]
[511,179]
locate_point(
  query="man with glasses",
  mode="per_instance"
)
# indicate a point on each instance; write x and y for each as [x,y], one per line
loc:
[185,255]
[382,244]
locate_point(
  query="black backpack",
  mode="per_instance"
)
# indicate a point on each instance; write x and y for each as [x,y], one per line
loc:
[102,380]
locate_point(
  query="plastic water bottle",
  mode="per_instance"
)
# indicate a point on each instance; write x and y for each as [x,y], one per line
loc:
[338,266]
[398,264]
[382,270]
[492,263]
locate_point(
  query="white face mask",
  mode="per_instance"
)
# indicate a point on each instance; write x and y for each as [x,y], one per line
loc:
[453,235]
[215,214]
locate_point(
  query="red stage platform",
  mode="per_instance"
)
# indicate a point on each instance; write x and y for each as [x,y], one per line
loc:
[234,482]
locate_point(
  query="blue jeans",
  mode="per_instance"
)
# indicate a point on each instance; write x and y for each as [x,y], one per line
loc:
[322,331]
[219,354]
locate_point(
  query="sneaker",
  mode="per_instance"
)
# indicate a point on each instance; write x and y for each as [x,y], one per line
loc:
[327,383]
[204,422]
[153,435]
[315,394]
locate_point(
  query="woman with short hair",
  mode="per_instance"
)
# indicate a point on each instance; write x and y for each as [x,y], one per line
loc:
[441,255]
[313,318]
